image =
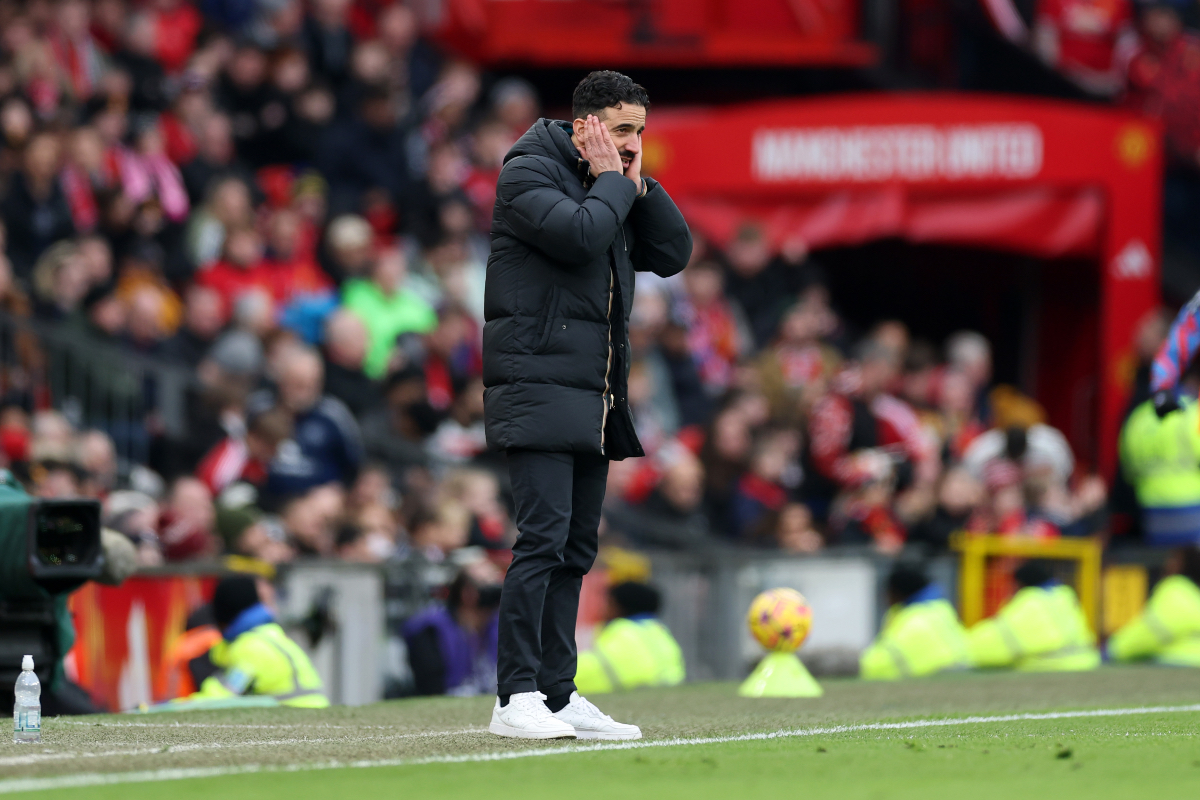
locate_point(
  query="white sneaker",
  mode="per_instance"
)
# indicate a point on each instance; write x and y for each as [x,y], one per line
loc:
[526,717]
[590,722]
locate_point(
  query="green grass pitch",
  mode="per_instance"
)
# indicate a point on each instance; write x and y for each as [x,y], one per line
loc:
[962,736]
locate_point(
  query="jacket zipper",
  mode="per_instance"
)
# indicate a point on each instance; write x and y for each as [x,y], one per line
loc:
[606,398]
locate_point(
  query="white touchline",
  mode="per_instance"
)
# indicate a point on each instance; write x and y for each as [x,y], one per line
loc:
[50,722]
[37,758]
[147,776]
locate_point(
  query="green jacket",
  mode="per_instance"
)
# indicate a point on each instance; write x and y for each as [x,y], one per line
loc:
[630,653]
[1038,630]
[386,317]
[917,639]
[264,661]
[1167,630]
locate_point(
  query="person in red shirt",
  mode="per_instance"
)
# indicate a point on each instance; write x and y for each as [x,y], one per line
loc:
[176,24]
[245,458]
[288,270]
[241,270]
[1089,41]
[1164,80]
[714,336]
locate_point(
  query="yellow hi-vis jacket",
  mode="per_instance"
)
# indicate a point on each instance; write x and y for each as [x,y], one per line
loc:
[917,639]
[628,654]
[1161,459]
[264,661]
[1041,629]
[1167,630]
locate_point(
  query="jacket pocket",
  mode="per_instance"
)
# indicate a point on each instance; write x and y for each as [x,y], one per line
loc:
[547,323]
[620,435]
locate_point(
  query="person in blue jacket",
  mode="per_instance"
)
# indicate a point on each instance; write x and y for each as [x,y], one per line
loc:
[326,445]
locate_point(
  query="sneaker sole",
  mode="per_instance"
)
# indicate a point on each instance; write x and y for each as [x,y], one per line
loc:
[507,731]
[607,736]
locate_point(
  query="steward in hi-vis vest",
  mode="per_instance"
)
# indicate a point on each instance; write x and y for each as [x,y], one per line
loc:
[1041,629]
[633,649]
[1168,629]
[920,635]
[255,656]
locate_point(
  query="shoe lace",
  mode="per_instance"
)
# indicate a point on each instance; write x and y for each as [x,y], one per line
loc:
[533,703]
[585,706]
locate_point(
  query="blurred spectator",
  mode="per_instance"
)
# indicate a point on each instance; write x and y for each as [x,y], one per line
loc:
[797,368]
[387,307]
[365,152]
[435,533]
[1089,41]
[452,647]
[326,446]
[860,434]
[958,496]
[673,514]
[310,520]
[345,351]
[348,248]
[203,319]
[970,355]
[395,434]
[245,534]
[246,458]
[761,492]
[762,286]
[187,528]
[35,210]
[97,459]
[713,334]
[460,436]
[1164,80]
[795,531]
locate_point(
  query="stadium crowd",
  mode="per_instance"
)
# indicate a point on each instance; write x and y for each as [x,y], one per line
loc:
[294,203]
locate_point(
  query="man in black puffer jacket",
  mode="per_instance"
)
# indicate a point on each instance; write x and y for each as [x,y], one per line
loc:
[574,219]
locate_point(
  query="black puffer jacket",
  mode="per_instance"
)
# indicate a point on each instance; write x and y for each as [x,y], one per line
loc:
[555,362]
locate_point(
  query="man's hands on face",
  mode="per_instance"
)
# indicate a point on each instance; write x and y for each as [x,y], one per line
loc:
[634,170]
[598,148]
[602,154]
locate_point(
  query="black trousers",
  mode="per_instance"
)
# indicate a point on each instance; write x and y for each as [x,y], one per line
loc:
[558,498]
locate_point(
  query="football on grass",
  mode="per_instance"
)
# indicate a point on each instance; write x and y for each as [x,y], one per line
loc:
[780,619]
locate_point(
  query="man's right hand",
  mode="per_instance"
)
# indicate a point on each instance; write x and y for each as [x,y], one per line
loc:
[1165,402]
[598,148]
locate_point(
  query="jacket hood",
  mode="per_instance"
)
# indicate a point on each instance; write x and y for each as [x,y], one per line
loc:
[549,138]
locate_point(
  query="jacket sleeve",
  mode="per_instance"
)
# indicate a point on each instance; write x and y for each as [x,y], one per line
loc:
[664,242]
[1176,352]
[542,215]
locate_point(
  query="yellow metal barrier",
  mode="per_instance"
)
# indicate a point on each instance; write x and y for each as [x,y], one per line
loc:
[1125,589]
[977,548]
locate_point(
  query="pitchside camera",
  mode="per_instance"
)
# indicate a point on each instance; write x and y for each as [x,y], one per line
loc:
[47,547]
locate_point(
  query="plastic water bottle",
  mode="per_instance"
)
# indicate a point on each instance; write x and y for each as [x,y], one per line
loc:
[27,713]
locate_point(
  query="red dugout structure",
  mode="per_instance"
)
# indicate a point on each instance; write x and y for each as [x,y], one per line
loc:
[1051,180]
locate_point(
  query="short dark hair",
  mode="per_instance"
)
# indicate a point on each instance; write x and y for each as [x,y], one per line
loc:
[635,598]
[905,580]
[606,89]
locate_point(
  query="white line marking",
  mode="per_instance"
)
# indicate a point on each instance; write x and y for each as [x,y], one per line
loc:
[37,758]
[147,776]
[50,722]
